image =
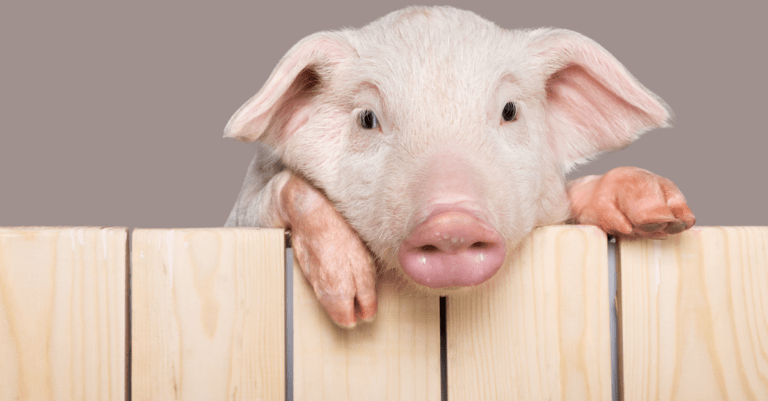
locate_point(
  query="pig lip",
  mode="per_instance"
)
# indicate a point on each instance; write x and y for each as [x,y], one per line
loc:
[452,269]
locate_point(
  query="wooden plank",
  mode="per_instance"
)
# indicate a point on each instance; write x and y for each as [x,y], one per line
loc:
[396,357]
[62,313]
[694,313]
[208,314]
[541,329]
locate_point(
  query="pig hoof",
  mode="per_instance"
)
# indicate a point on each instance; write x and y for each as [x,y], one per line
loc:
[656,235]
[651,227]
[366,307]
[676,227]
[346,309]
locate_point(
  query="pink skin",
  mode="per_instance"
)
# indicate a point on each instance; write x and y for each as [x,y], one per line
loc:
[332,256]
[630,202]
[627,201]
[452,248]
[453,243]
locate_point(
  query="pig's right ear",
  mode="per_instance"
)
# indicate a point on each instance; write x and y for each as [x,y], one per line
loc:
[285,101]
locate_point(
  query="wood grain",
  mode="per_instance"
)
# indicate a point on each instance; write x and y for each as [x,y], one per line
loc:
[208,314]
[396,357]
[541,329]
[62,313]
[694,312]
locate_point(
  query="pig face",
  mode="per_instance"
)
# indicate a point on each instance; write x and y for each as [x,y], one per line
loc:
[442,138]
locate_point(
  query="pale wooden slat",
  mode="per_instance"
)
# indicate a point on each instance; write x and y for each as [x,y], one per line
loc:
[208,314]
[62,313]
[396,357]
[694,313]
[541,329]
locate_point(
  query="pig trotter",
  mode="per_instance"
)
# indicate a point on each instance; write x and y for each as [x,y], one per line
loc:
[331,254]
[630,202]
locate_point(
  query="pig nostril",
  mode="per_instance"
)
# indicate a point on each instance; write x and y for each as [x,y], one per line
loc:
[479,245]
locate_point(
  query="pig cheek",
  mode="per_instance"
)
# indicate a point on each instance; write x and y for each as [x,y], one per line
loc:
[547,201]
[552,199]
[316,147]
[512,188]
[361,188]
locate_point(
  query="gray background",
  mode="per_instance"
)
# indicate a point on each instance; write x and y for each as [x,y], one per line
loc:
[112,114]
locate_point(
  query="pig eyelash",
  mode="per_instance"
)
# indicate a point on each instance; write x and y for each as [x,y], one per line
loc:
[509,113]
[368,120]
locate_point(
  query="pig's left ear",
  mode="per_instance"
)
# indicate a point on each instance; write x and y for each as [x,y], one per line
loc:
[285,101]
[593,104]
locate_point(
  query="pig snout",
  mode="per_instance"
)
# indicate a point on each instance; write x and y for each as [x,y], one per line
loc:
[452,248]
[453,243]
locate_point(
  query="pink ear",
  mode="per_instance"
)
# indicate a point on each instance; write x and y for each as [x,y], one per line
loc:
[283,103]
[593,103]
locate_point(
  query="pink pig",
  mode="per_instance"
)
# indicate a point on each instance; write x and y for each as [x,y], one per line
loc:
[431,141]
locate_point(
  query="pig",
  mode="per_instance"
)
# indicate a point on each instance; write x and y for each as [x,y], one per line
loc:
[431,141]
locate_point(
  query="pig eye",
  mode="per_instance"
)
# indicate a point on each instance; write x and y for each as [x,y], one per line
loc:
[510,112]
[368,120]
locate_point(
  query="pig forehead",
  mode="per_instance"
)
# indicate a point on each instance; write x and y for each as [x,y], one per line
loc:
[435,56]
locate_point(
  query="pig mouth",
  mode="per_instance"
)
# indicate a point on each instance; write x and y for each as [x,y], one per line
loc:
[450,249]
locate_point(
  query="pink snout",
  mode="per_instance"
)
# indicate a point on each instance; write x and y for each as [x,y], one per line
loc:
[452,248]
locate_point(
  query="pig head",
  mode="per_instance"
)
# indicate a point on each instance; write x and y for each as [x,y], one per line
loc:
[441,138]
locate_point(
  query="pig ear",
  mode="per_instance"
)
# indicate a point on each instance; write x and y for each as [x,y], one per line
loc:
[284,102]
[593,103]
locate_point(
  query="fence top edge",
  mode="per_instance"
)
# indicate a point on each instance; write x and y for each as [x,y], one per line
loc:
[185,229]
[548,227]
[60,228]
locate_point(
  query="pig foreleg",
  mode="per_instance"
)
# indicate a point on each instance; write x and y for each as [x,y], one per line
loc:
[331,254]
[630,202]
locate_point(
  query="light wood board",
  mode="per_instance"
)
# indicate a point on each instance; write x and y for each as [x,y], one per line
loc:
[208,314]
[396,357]
[541,329]
[694,312]
[62,313]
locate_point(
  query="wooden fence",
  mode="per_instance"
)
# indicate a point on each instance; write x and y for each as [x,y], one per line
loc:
[201,314]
